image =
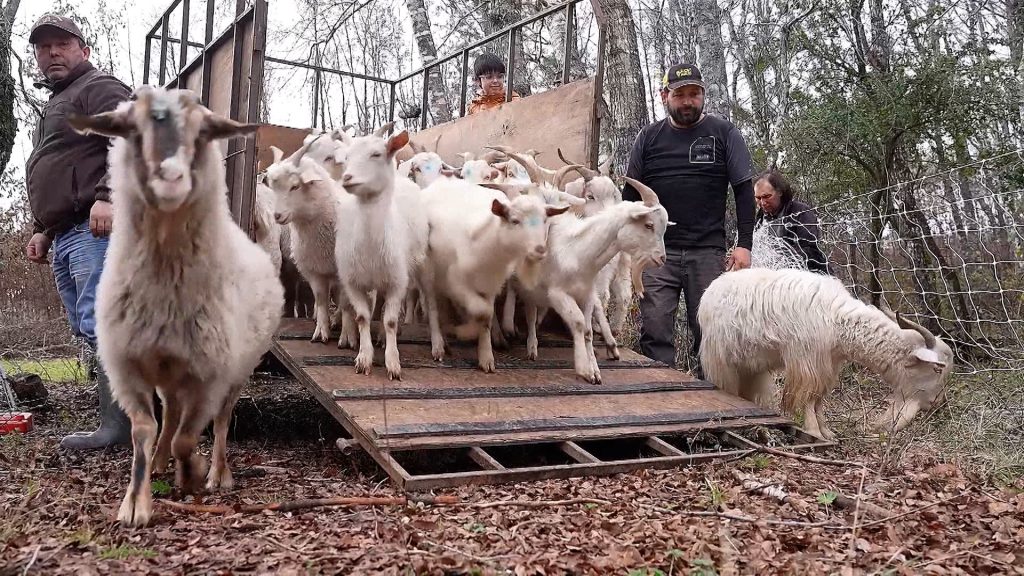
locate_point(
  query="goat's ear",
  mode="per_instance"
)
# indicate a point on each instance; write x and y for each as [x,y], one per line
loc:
[397,142]
[118,122]
[671,223]
[499,209]
[216,127]
[555,210]
[929,356]
[278,154]
[510,190]
[491,174]
[643,212]
[571,199]
[449,171]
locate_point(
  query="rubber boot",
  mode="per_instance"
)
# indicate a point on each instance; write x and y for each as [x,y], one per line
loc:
[115,428]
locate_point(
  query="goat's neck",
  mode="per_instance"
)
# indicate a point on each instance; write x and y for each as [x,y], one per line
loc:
[870,339]
[593,240]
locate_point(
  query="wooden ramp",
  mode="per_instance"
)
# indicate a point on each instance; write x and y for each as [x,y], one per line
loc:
[448,423]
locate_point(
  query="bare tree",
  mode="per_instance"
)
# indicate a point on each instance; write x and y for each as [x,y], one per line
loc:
[8,121]
[627,113]
[442,109]
[712,56]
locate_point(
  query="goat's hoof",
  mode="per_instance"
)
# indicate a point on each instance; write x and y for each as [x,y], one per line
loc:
[188,476]
[136,511]
[437,353]
[613,352]
[219,479]
[160,465]
[487,366]
[363,364]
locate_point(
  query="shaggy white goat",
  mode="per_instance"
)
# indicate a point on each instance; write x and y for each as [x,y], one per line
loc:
[578,250]
[387,245]
[758,321]
[306,202]
[265,228]
[187,304]
[478,237]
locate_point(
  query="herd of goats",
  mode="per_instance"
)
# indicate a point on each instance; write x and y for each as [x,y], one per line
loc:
[188,304]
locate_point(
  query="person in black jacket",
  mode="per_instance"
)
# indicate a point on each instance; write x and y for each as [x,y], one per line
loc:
[690,159]
[788,218]
[69,193]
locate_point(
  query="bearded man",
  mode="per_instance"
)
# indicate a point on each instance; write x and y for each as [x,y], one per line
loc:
[690,159]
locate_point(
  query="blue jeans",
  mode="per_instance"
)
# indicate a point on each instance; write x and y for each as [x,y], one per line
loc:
[78,258]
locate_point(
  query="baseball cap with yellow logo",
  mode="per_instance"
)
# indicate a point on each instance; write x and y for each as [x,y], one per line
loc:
[681,75]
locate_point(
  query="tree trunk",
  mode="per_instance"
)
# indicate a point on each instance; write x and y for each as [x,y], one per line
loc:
[712,58]
[1015,38]
[627,113]
[439,105]
[8,122]
[502,13]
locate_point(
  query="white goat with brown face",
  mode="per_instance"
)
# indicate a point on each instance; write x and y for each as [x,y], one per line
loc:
[759,321]
[187,304]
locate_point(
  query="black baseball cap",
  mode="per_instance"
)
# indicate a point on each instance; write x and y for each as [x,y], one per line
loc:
[55,21]
[682,75]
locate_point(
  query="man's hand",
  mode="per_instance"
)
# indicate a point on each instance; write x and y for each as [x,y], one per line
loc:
[101,219]
[38,247]
[738,259]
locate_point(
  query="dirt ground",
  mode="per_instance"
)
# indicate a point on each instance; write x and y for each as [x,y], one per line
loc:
[920,515]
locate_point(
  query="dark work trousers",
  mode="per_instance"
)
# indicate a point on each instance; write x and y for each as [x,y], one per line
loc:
[686,270]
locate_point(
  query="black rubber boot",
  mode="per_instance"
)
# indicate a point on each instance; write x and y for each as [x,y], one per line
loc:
[115,428]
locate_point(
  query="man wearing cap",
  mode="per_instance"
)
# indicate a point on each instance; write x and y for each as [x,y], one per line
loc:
[69,195]
[690,159]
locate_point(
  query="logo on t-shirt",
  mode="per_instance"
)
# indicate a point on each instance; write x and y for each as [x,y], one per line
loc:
[702,151]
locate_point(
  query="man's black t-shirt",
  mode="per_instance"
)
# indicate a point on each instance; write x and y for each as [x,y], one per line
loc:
[690,169]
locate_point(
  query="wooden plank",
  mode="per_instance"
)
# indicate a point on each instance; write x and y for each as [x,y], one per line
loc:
[425,393]
[332,378]
[662,447]
[561,117]
[319,354]
[471,364]
[395,470]
[617,432]
[433,481]
[577,453]
[485,460]
[288,140]
[543,424]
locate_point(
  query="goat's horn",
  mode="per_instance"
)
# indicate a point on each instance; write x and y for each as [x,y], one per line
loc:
[906,324]
[466,156]
[535,175]
[278,154]
[501,148]
[650,198]
[562,157]
[492,156]
[385,129]
[560,175]
[587,173]
[606,167]
[437,143]
[417,148]
[305,148]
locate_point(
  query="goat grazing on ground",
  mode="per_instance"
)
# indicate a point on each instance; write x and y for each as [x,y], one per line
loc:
[187,304]
[758,321]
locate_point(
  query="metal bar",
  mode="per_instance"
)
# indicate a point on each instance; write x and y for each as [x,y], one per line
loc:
[463,88]
[545,390]
[173,40]
[495,35]
[183,55]
[316,97]
[567,423]
[391,107]
[570,39]
[485,460]
[423,101]
[146,60]
[255,95]
[511,64]
[210,15]
[276,60]
[163,50]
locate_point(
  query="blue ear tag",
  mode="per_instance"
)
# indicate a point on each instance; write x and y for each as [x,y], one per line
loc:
[533,221]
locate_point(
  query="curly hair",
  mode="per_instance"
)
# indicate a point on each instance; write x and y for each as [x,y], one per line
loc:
[778,182]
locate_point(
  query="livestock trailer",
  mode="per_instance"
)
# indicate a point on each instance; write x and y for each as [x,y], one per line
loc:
[447,423]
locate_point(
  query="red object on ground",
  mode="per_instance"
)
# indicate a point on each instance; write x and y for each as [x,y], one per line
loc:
[15,422]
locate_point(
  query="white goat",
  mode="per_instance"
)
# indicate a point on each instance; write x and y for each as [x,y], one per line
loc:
[578,250]
[306,203]
[758,321]
[187,304]
[387,245]
[265,228]
[478,237]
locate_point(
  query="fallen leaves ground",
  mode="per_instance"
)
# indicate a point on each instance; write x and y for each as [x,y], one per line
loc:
[57,510]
